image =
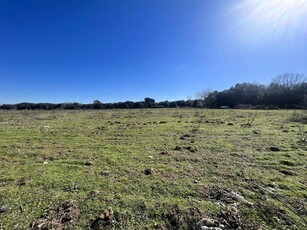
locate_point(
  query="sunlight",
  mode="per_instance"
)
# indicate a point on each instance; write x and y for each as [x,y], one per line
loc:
[271,18]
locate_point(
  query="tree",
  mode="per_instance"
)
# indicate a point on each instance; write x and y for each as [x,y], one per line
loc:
[149,102]
[289,80]
[204,94]
[97,104]
[286,90]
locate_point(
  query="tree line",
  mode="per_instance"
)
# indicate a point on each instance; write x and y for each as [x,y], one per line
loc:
[287,91]
[147,103]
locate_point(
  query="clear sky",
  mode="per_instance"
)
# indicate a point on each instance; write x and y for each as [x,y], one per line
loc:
[118,50]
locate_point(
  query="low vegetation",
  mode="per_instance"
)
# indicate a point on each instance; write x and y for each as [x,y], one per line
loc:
[152,169]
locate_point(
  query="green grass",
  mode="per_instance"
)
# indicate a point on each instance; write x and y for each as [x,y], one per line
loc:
[123,143]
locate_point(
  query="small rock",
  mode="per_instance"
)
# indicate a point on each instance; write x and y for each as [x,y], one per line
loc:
[239,198]
[5,208]
[207,223]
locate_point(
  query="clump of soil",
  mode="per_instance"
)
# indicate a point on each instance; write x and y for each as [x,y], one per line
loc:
[224,196]
[191,149]
[274,149]
[165,153]
[149,171]
[230,218]
[95,192]
[63,217]
[89,162]
[74,187]
[177,148]
[185,136]
[106,218]
[24,181]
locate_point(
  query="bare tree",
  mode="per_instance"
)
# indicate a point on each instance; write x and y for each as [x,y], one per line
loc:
[204,94]
[289,80]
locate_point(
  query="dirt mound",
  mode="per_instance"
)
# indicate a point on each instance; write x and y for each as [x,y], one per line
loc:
[178,218]
[63,217]
[106,218]
[230,218]
[217,193]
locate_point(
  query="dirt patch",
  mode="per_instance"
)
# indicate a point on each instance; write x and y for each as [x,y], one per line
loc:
[217,193]
[177,218]
[63,217]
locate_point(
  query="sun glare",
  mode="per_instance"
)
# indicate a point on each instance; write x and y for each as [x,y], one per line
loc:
[264,19]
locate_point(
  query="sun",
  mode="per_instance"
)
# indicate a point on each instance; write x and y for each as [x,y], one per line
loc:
[271,18]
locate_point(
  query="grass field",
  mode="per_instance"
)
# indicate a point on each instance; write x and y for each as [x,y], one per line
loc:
[156,169]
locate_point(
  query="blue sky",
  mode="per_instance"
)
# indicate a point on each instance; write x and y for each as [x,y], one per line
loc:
[118,50]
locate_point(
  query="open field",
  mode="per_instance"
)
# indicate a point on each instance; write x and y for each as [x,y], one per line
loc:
[156,169]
